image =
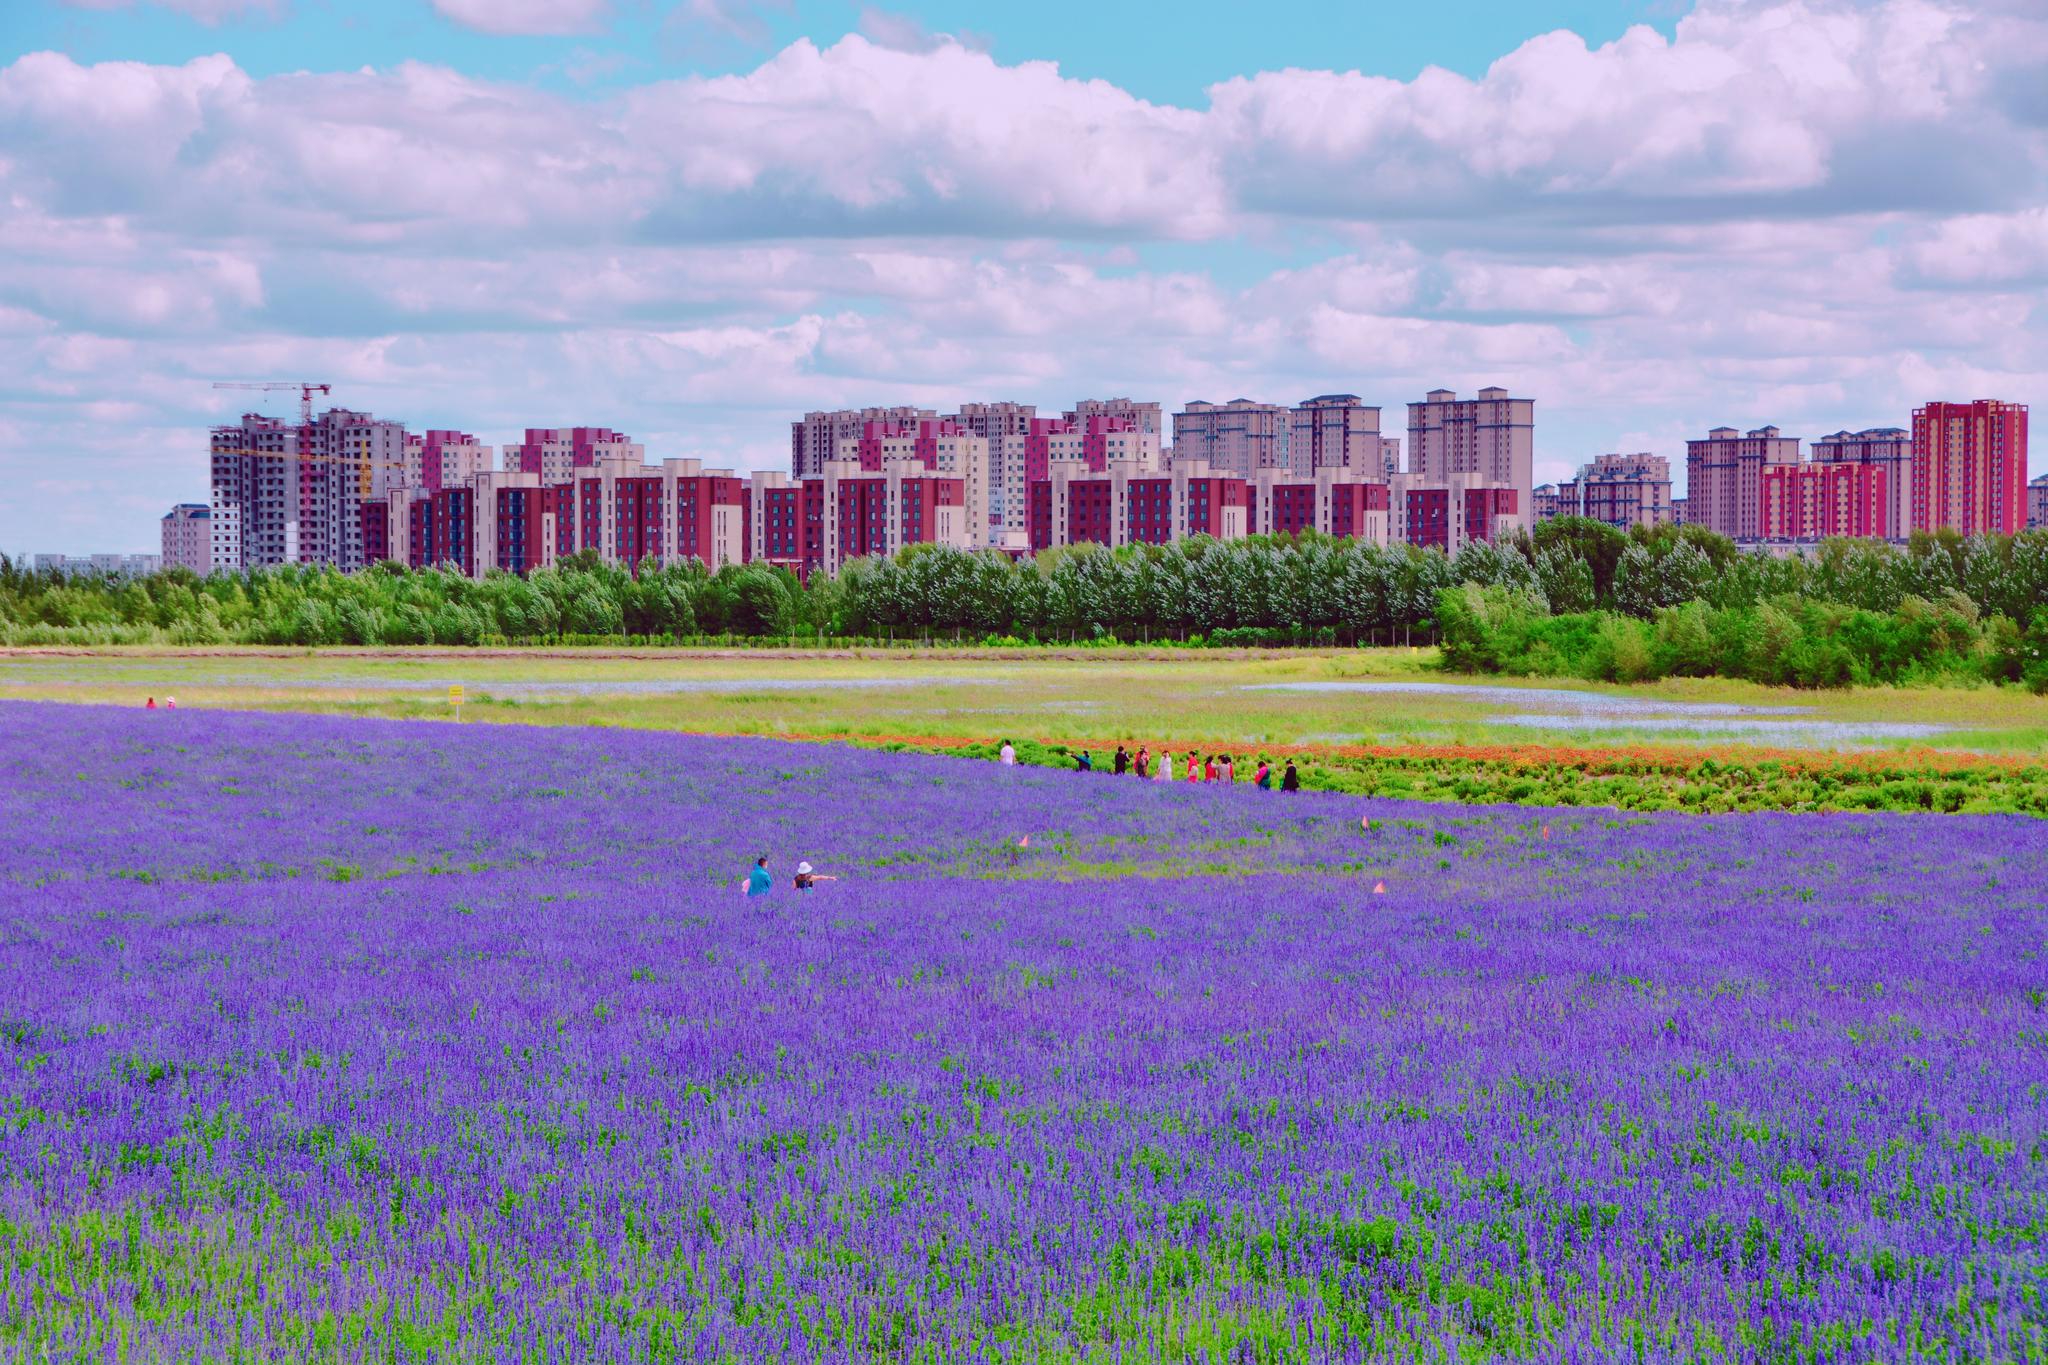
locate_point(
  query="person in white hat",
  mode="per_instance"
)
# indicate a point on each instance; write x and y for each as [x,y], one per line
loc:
[807,879]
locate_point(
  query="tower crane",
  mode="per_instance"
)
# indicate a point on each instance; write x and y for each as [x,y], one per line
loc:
[306,392]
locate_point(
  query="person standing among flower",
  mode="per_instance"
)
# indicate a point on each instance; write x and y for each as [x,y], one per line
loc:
[1123,760]
[1290,781]
[1263,778]
[759,883]
[1008,755]
[1144,763]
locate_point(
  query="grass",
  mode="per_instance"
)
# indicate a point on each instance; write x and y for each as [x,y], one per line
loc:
[1164,697]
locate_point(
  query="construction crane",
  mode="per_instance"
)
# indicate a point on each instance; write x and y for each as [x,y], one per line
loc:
[271,385]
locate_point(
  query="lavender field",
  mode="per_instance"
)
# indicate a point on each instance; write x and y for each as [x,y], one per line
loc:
[368,1040]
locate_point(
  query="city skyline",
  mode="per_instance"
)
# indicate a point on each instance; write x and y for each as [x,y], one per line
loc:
[807,207]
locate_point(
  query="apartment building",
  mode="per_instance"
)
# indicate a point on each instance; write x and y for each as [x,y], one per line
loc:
[1336,431]
[1447,514]
[1491,437]
[1887,449]
[443,459]
[289,494]
[816,439]
[2037,503]
[187,531]
[1128,503]
[1724,478]
[939,445]
[1809,502]
[1007,429]
[852,509]
[1238,438]
[1335,502]
[1141,416]
[556,453]
[1970,467]
[1626,490]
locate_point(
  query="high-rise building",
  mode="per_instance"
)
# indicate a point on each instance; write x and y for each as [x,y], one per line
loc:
[1970,467]
[440,459]
[556,453]
[1492,437]
[188,538]
[1626,490]
[1336,431]
[285,494]
[1239,437]
[1724,478]
[1390,458]
[816,439]
[1007,429]
[1141,416]
[1889,449]
[941,446]
[1809,502]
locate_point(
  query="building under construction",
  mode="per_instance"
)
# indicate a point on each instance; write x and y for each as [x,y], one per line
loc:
[286,493]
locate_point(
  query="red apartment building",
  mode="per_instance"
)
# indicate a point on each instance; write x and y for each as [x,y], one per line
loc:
[1816,501]
[1970,467]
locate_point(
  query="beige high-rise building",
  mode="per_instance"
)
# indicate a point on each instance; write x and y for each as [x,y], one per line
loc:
[1492,436]
[1335,431]
[1236,438]
[1007,429]
[1626,490]
[1724,478]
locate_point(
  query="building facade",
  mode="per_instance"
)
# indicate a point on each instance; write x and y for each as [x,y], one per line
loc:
[1007,429]
[1811,502]
[1889,449]
[1491,437]
[188,538]
[556,453]
[1550,501]
[853,510]
[1130,504]
[1970,467]
[1336,431]
[816,439]
[1237,438]
[1724,478]
[2037,503]
[1141,416]
[1626,490]
[441,459]
[291,494]
[1448,514]
[1336,502]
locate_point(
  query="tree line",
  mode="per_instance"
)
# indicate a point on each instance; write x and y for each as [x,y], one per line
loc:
[1306,589]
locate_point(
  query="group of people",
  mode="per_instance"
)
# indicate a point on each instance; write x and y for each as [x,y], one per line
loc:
[759,881]
[1165,768]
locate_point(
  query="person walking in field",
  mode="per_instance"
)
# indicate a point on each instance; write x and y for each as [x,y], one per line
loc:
[1144,763]
[1164,772]
[807,880]
[1290,781]
[1008,756]
[1263,778]
[1085,763]
[1229,770]
[1194,766]
[1123,760]
[758,882]
[1209,768]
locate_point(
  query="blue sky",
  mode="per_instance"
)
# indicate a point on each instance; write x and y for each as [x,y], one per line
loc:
[1170,54]
[694,219]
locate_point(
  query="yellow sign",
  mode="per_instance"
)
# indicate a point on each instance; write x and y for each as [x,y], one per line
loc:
[455,698]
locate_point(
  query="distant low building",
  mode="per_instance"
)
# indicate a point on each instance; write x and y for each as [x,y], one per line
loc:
[2037,503]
